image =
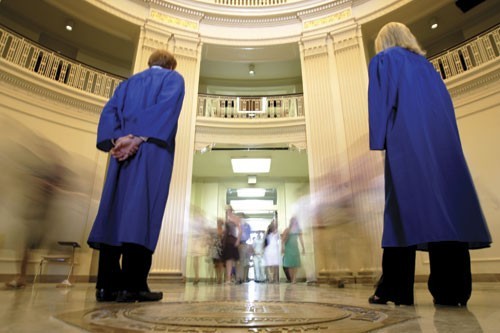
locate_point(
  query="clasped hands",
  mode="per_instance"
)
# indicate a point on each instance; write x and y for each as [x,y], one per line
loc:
[125,147]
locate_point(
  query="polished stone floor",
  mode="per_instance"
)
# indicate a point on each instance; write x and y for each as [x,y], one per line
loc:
[37,308]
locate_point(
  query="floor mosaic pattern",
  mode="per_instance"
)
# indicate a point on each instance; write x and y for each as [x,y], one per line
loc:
[232,316]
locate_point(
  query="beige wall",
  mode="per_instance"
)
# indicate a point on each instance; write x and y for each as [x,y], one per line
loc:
[57,114]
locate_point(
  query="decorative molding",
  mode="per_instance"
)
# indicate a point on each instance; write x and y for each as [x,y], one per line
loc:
[347,37]
[244,16]
[173,21]
[474,80]
[328,20]
[199,8]
[279,132]
[46,89]
[333,4]
[314,46]
[245,21]
[176,8]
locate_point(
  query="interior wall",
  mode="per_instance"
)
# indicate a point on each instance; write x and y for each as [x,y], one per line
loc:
[72,132]
[477,107]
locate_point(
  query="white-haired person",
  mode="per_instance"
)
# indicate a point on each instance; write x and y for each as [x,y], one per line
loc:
[431,203]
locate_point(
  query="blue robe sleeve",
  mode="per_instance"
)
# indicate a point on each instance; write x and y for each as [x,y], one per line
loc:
[158,122]
[110,125]
[382,98]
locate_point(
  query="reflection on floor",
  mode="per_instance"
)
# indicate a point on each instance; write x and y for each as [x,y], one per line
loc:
[43,308]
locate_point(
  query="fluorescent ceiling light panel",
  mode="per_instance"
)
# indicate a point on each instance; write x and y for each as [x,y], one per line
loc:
[251,205]
[251,192]
[251,165]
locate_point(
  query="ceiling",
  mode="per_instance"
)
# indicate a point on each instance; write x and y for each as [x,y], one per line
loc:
[271,62]
[454,25]
[108,37]
[285,164]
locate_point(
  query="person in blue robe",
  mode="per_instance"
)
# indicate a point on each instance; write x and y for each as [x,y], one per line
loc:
[138,127]
[431,203]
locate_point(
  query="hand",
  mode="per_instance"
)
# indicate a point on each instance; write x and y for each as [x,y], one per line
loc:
[125,147]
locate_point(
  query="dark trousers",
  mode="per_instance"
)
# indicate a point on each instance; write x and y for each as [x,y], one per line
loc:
[398,275]
[450,280]
[133,272]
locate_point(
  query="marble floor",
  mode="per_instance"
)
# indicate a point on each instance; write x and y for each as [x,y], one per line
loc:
[35,308]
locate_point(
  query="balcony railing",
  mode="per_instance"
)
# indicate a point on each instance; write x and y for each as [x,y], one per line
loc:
[250,3]
[473,53]
[41,61]
[287,106]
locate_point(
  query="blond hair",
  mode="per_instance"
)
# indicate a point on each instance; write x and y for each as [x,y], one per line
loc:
[397,34]
[162,58]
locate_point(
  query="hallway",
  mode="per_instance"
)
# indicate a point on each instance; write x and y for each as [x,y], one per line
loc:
[34,309]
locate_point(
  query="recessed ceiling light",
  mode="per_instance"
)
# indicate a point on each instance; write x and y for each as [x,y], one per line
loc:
[251,192]
[251,165]
[69,25]
[434,23]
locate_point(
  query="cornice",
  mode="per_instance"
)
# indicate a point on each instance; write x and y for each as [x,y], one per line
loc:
[333,6]
[253,21]
[46,89]
[284,9]
[289,134]
[241,16]
[250,123]
[314,45]
[474,80]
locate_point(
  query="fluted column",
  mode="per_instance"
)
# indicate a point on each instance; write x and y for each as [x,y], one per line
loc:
[168,259]
[365,167]
[340,165]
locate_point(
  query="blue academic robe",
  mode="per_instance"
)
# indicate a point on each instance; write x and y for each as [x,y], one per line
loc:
[135,191]
[430,196]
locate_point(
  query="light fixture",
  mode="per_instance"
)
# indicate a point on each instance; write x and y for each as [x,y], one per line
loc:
[251,165]
[207,148]
[252,180]
[69,25]
[251,204]
[251,192]
[433,23]
[251,69]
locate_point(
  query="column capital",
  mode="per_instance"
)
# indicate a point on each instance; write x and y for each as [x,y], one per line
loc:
[347,37]
[314,45]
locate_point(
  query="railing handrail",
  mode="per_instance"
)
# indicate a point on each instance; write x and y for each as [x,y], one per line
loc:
[60,54]
[472,53]
[250,107]
[32,56]
[250,96]
[465,42]
[250,3]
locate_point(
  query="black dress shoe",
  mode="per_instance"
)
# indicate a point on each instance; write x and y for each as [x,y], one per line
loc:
[139,296]
[379,300]
[450,303]
[105,295]
[376,300]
